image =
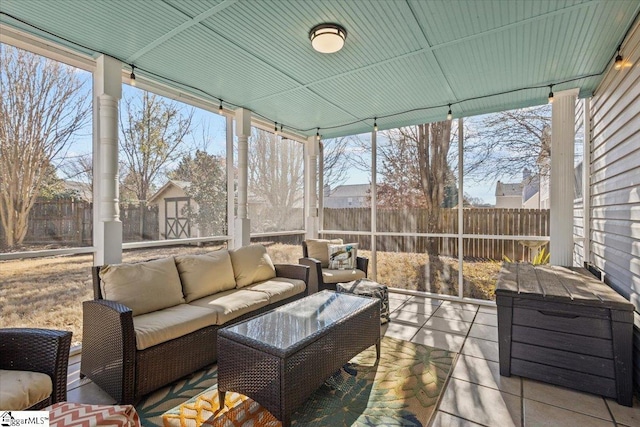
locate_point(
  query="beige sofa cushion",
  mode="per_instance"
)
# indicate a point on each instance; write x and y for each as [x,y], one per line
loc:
[319,249]
[143,287]
[279,288]
[251,264]
[231,304]
[335,276]
[20,390]
[170,323]
[203,275]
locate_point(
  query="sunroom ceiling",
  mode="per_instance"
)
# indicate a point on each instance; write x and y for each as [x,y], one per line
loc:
[399,55]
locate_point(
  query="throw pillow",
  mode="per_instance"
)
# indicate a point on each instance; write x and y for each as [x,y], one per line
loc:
[204,275]
[342,257]
[143,287]
[251,264]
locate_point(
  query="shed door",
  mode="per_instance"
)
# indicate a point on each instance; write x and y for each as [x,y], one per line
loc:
[177,224]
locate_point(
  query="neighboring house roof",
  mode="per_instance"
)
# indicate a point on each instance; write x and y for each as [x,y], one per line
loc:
[183,185]
[350,190]
[82,189]
[508,189]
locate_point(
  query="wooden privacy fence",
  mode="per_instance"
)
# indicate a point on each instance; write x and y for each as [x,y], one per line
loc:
[69,222]
[481,221]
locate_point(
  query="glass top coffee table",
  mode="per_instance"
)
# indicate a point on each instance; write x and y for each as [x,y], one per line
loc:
[281,357]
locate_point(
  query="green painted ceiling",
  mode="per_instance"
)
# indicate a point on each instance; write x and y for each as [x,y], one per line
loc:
[399,55]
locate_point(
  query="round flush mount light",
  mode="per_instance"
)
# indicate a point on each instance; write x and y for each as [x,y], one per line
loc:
[327,38]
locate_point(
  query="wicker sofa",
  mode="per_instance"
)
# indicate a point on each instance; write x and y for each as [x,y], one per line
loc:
[154,322]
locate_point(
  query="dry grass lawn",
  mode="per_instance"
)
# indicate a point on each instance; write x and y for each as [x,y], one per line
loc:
[48,292]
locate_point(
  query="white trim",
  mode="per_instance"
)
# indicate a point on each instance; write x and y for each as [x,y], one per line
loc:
[443,297]
[47,252]
[460,207]
[374,204]
[586,182]
[278,233]
[46,48]
[451,235]
[173,242]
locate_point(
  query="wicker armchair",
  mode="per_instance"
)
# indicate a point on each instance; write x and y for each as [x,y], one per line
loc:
[320,278]
[38,350]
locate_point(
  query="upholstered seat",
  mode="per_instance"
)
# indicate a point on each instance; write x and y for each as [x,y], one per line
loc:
[33,367]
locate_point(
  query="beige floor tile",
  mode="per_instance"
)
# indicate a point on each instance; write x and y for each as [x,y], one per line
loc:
[395,304]
[486,319]
[89,393]
[409,317]
[482,405]
[624,414]
[439,339]
[537,414]
[443,419]
[481,348]
[448,325]
[488,309]
[398,330]
[455,314]
[584,403]
[420,306]
[460,305]
[484,332]
[402,297]
[486,373]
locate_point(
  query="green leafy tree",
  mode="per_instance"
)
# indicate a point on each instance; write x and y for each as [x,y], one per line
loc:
[42,106]
[207,176]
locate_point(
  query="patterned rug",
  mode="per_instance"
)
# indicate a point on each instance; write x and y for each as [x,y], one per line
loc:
[401,390]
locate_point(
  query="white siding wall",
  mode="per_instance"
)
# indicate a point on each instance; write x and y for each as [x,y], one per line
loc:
[615,180]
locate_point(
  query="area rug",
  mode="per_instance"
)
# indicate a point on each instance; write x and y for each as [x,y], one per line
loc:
[402,389]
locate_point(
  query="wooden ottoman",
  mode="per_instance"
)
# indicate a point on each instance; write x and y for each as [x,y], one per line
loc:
[563,326]
[369,288]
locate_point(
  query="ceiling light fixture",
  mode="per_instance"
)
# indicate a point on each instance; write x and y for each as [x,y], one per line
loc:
[220,109]
[375,124]
[275,128]
[449,115]
[550,94]
[619,60]
[318,135]
[132,76]
[327,37]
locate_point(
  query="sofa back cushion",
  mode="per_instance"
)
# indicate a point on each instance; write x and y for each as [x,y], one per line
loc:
[319,249]
[143,287]
[251,264]
[203,275]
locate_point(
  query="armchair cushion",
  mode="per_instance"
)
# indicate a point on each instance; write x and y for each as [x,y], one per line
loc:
[319,249]
[203,275]
[336,276]
[251,264]
[20,390]
[143,287]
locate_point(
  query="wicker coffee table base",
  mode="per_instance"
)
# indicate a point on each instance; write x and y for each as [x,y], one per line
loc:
[280,383]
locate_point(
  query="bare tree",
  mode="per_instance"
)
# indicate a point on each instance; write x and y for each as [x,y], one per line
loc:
[276,178]
[42,105]
[152,133]
[504,144]
[336,160]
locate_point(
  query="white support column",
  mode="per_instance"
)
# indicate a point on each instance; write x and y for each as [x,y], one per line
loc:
[562,181]
[586,181]
[311,149]
[320,187]
[373,265]
[107,228]
[242,223]
[460,207]
[231,179]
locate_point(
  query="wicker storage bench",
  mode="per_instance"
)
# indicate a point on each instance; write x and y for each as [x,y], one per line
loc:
[562,326]
[281,357]
[369,288]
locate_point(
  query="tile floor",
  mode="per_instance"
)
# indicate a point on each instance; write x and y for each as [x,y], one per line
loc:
[476,394]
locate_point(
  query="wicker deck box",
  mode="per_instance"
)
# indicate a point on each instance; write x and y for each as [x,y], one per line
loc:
[562,326]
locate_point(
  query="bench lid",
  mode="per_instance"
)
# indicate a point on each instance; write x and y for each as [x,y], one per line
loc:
[555,283]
